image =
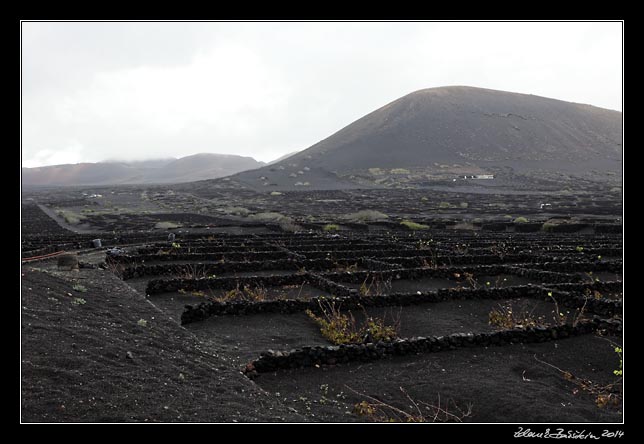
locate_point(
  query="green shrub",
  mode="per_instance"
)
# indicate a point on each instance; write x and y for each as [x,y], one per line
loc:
[331,227]
[286,223]
[339,328]
[268,217]
[366,216]
[246,293]
[620,370]
[414,226]
[237,211]
[520,220]
[444,205]
[71,217]
[548,227]
[166,225]
[508,317]
[336,327]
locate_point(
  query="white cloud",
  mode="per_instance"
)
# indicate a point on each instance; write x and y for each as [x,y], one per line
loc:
[142,90]
[70,154]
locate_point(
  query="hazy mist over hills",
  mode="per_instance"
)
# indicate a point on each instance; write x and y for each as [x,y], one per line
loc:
[186,169]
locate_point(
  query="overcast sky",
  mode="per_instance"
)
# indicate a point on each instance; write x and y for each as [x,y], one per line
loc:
[131,91]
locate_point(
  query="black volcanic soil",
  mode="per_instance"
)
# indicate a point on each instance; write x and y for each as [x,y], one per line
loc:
[75,364]
[503,384]
[245,337]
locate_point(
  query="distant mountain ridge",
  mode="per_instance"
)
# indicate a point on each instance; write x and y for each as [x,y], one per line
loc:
[186,169]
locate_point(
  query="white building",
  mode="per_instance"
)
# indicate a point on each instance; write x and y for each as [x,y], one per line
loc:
[478,176]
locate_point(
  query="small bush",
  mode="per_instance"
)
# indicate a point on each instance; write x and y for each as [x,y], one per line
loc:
[70,217]
[237,211]
[286,223]
[331,227]
[166,225]
[340,328]
[444,205]
[337,327]
[79,288]
[246,293]
[376,330]
[346,268]
[548,227]
[193,271]
[469,279]
[375,286]
[588,293]
[268,217]
[508,317]
[414,226]
[520,220]
[562,318]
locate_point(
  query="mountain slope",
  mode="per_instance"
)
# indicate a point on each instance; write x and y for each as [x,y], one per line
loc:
[285,156]
[448,131]
[187,169]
